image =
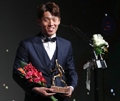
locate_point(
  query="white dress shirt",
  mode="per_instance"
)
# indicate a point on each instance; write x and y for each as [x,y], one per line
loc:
[50,47]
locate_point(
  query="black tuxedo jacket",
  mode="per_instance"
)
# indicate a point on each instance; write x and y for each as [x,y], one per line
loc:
[32,50]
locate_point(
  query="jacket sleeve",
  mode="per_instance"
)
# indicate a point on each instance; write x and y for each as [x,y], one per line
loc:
[71,74]
[21,54]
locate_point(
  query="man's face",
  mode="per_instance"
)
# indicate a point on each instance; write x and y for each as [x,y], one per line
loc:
[49,23]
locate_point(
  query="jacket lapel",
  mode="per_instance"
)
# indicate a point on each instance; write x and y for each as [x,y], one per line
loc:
[38,45]
[59,51]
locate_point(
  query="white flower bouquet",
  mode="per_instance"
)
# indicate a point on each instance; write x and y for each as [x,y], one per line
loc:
[99,44]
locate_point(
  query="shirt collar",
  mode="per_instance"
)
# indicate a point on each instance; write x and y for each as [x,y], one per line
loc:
[44,36]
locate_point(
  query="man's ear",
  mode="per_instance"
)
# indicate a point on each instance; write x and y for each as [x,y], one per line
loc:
[59,20]
[39,21]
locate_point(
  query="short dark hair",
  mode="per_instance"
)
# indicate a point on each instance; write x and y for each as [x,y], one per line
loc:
[49,6]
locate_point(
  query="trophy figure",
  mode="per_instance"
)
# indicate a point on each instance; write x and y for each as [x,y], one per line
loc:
[59,89]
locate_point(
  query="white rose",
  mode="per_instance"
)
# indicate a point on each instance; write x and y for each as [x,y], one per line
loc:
[95,36]
[98,40]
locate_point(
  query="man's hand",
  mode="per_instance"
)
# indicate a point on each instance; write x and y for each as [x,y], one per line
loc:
[44,91]
[67,94]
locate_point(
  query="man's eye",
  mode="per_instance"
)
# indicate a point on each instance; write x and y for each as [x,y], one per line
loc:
[54,20]
[46,20]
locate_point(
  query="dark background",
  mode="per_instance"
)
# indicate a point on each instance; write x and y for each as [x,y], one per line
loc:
[18,20]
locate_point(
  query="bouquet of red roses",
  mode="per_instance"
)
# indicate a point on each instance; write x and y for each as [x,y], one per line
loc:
[30,73]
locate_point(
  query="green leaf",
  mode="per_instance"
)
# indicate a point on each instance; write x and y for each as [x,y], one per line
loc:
[22,64]
[98,51]
[22,76]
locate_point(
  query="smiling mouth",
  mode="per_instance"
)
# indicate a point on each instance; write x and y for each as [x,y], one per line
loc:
[50,29]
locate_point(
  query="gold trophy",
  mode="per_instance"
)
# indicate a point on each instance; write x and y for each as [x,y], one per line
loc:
[59,89]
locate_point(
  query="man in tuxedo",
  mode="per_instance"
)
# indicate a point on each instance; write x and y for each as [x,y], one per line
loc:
[42,51]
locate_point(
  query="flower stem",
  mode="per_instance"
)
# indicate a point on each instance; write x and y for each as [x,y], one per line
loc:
[53,98]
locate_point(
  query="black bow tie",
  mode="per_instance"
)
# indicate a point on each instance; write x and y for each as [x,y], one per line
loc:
[50,39]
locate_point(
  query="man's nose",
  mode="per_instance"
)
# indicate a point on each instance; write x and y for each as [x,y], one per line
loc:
[51,22]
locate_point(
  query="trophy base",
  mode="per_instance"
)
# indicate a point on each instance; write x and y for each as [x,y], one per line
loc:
[58,89]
